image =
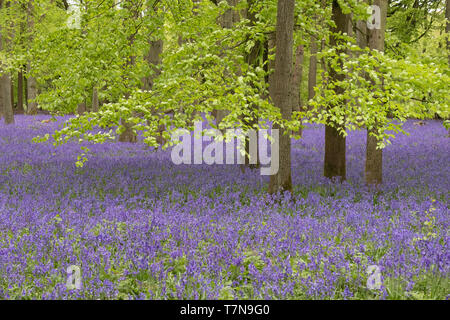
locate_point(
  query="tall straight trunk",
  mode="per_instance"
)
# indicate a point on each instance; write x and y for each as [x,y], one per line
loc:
[95,103]
[25,88]
[153,59]
[128,135]
[1,103]
[312,76]
[334,162]
[374,156]
[313,49]
[2,106]
[31,81]
[282,180]
[32,92]
[5,87]
[12,91]
[323,62]
[227,20]
[252,58]
[361,33]
[296,80]
[447,28]
[81,108]
[20,108]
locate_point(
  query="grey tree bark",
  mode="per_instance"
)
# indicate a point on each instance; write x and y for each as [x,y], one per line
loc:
[20,108]
[447,28]
[282,180]
[5,88]
[1,103]
[271,45]
[81,108]
[95,102]
[374,156]
[227,20]
[334,162]
[31,81]
[312,74]
[128,135]
[252,59]
[296,80]
[153,59]
[5,84]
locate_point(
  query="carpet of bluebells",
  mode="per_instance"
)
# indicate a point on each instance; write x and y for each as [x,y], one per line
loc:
[140,227]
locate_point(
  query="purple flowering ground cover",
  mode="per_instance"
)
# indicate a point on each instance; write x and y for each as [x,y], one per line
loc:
[140,227]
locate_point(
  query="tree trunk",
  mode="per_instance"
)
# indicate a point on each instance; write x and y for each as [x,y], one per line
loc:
[20,108]
[81,109]
[153,58]
[5,87]
[95,103]
[334,162]
[2,112]
[374,156]
[128,135]
[312,76]
[227,20]
[6,94]
[252,59]
[12,90]
[361,34]
[25,87]
[447,28]
[296,81]
[32,93]
[31,81]
[282,180]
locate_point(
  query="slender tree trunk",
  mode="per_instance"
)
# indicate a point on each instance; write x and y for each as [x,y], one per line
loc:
[31,81]
[128,135]
[5,84]
[2,112]
[334,163]
[313,49]
[227,20]
[374,156]
[153,58]
[296,81]
[81,109]
[5,87]
[252,58]
[361,33]
[20,108]
[2,107]
[312,76]
[282,181]
[95,103]
[271,45]
[25,87]
[32,93]
[447,28]
[12,91]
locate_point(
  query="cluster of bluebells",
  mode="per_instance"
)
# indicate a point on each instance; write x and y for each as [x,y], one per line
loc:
[140,227]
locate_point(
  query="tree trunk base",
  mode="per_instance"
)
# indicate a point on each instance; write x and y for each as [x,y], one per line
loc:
[374,162]
[128,135]
[334,163]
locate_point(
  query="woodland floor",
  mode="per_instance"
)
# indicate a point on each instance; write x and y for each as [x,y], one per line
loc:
[139,226]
